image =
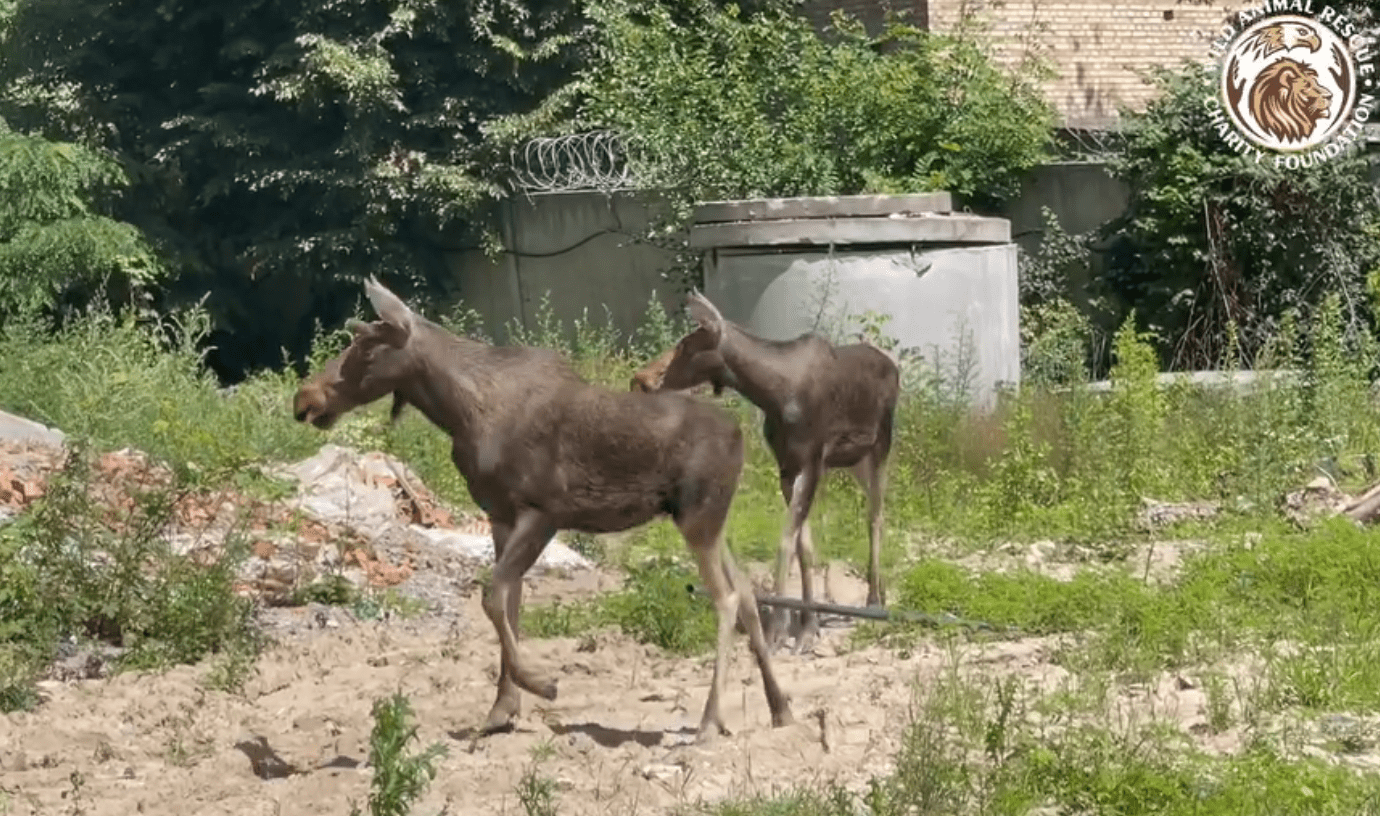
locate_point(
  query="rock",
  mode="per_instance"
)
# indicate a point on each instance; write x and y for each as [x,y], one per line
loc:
[18,429]
[1320,497]
[83,662]
[1155,514]
[342,486]
[557,555]
[662,772]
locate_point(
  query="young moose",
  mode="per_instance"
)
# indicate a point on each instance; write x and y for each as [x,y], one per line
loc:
[824,407]
[543,450]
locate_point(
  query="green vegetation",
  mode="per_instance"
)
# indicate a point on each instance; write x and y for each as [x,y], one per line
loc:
[1214,248]
[972,749]
[843,113]
[81,573]
[716,104]
[400,778]
[652,607]
[55,238]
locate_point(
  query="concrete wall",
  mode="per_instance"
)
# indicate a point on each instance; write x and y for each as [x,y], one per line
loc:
[1082,194]
[579,247]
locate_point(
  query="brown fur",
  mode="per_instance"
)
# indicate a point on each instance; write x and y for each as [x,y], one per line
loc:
[1288,100]
[823,407]
[542,450]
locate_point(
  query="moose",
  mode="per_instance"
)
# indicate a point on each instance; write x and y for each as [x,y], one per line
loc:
[823,407]
[543,450]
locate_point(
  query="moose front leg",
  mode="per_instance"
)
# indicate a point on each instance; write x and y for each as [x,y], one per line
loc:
[529,536]
[799,492]
[508,704]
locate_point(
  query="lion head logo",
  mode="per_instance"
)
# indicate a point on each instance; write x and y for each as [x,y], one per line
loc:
[1288,100]
[1288,82]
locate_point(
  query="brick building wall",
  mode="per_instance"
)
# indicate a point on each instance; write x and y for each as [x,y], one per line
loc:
[1099,48]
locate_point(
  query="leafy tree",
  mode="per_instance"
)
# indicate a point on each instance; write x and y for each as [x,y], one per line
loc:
[1215,251]
[727,106]
[1213,238]
[281,150]
[56,237]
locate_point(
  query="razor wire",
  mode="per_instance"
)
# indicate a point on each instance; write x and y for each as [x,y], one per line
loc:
[593,160]
[1092,145]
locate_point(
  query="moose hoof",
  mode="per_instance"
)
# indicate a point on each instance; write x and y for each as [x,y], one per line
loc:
[502,717]
[544,689]
[710,733]
[535,684]
[499,722]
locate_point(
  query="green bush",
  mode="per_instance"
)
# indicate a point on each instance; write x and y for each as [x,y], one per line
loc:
[766,106]
[714,104]
[79,572]
[1214,247]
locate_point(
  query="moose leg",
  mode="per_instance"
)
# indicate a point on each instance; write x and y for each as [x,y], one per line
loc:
[747,610]
[528,538]
[871,474]
[508,704]
[732,598]
[725,604]
[799,492]
[809,618]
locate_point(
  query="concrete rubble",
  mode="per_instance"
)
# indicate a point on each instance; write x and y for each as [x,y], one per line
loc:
[364,517]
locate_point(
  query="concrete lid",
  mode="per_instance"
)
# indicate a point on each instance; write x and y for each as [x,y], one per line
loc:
[766,209]
[905,230]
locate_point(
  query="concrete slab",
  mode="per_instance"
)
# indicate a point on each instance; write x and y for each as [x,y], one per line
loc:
[923,228]
[767,209]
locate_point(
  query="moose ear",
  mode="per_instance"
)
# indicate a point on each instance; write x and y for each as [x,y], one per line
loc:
[395,314]
[706,315]
[356,326]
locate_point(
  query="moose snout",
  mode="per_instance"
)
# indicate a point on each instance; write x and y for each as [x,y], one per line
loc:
[309,406]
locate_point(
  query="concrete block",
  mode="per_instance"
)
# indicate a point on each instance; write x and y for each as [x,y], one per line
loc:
[771,209]
[899,228]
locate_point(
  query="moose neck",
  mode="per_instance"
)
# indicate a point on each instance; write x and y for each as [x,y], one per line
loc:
[447,384]
[754,368]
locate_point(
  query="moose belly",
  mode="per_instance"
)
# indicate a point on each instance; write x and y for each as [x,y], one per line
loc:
[847,449]
[594,512]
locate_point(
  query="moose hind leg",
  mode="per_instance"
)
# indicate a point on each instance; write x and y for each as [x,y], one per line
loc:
[871,474]
[809,618]
[777,701]
[799,492]
[726,607]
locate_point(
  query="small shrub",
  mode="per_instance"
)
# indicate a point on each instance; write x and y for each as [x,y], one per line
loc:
[655,607]
[400,778]
[77,570]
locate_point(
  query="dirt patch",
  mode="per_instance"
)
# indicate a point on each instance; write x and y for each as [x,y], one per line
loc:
[622,728]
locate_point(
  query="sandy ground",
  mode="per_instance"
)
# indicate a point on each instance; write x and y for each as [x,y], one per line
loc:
[620,732]
[619,738]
